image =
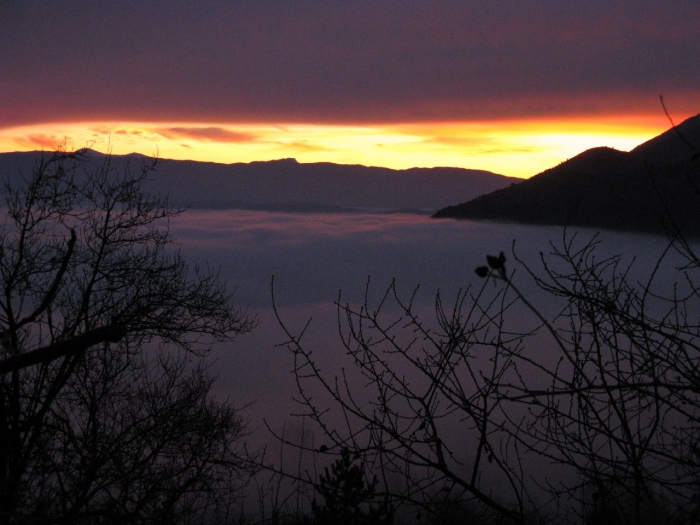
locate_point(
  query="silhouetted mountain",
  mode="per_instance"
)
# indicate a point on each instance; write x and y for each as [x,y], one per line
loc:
[604,188]
[287,185]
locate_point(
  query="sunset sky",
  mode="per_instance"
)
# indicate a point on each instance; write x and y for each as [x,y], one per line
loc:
[512,87]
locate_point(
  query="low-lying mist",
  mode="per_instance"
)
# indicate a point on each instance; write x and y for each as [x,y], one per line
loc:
[314,257]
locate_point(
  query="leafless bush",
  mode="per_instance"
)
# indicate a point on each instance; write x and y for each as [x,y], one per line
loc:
[92,427]
[524,415]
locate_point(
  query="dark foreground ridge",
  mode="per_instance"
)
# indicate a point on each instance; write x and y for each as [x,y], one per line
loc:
[603,188]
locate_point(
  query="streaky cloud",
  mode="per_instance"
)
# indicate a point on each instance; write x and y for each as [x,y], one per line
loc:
[209,133]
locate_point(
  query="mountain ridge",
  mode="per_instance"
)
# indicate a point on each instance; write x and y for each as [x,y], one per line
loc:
[288,185]
[648,189]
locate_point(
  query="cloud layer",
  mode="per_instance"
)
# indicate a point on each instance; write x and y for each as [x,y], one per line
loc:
[352,61]
[314,256]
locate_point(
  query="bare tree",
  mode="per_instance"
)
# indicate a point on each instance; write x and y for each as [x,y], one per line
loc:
[588,414]
[93,425]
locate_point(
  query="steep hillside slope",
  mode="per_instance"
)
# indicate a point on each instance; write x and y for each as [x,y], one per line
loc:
[641,190]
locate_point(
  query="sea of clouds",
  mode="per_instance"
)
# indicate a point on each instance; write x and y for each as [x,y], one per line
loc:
[314,257]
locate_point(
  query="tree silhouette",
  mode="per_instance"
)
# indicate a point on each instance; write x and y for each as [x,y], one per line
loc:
[93,426]
[348,496]
[576,402]
[591,412]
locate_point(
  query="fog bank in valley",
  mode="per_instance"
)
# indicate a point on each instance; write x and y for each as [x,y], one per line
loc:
[314,256]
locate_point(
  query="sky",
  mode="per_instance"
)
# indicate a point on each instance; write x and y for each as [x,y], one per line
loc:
[508,86]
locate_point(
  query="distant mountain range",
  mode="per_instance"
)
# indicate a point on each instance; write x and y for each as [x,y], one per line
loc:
[655,184]
[287,185]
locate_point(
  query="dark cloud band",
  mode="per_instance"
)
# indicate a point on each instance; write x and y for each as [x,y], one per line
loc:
[350,61]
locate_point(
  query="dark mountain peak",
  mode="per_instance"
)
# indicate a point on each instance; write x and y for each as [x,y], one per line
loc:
[593,159]
[598,155]
[134,155]
[607,189]
[279,162]
[674,146]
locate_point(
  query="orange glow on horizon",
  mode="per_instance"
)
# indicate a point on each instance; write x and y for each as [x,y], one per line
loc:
[515,148]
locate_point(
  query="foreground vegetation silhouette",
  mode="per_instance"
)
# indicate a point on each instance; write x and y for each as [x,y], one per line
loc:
[105,409]
[579,403]
[347,496]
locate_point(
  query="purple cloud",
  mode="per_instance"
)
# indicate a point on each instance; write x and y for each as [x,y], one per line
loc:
[352,61]
[211,134]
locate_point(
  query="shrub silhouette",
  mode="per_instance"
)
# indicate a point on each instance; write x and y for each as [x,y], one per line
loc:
[579,399]
[348,498]
[605,390]
[95,426]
